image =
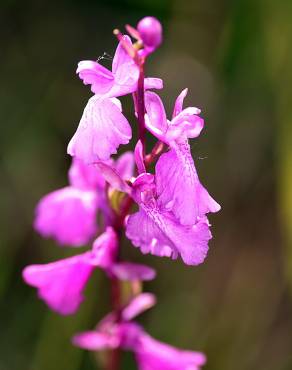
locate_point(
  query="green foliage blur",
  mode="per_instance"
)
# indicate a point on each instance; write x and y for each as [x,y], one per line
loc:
[235,57]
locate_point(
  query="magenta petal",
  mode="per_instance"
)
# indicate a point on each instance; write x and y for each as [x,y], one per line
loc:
[60,284]
[178,106]
[102,129]
[155,118]
[129,333]
[143,188]
[138,305]
[121,56]
[67,215]
[160,234]
[184,126]
[132,271]
[105,249]
[139,157]
[94,74]
[95,340]
[113,178]
[125,165]
[85,176]
[179,188]
[206,202]
[146,234]
[154,355]
[153,83]
[125,70]
[192,241]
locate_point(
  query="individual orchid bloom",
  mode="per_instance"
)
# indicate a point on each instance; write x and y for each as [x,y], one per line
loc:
[155,230]
[185,124]
[109,333]
[178,184]
[68,215]
[61,284]
[123,78]
[103,127]
[150,354]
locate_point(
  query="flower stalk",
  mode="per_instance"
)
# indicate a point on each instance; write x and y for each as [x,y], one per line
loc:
[141,105]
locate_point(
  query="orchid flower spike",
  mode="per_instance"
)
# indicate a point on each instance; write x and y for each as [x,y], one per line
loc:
[170,218]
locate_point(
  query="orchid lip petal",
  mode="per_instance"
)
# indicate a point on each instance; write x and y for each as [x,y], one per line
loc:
[60,284]
[177,182]
[102,129]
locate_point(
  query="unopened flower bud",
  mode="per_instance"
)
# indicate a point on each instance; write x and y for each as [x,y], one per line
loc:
[150,31]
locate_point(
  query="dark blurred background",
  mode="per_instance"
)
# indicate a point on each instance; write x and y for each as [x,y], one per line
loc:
[235,57]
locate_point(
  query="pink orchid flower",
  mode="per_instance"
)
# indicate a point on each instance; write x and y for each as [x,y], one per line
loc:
[103,127]
[177,181]
[150,353]
[61,284]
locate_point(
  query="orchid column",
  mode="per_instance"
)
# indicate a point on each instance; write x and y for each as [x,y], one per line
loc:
[95,208]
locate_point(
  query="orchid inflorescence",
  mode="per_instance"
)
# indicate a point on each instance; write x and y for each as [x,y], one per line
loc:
[172,204]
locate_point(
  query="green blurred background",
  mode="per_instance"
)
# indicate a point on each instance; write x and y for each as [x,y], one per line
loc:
[235,57]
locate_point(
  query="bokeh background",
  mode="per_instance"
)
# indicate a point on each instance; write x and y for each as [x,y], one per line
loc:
[235,57]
